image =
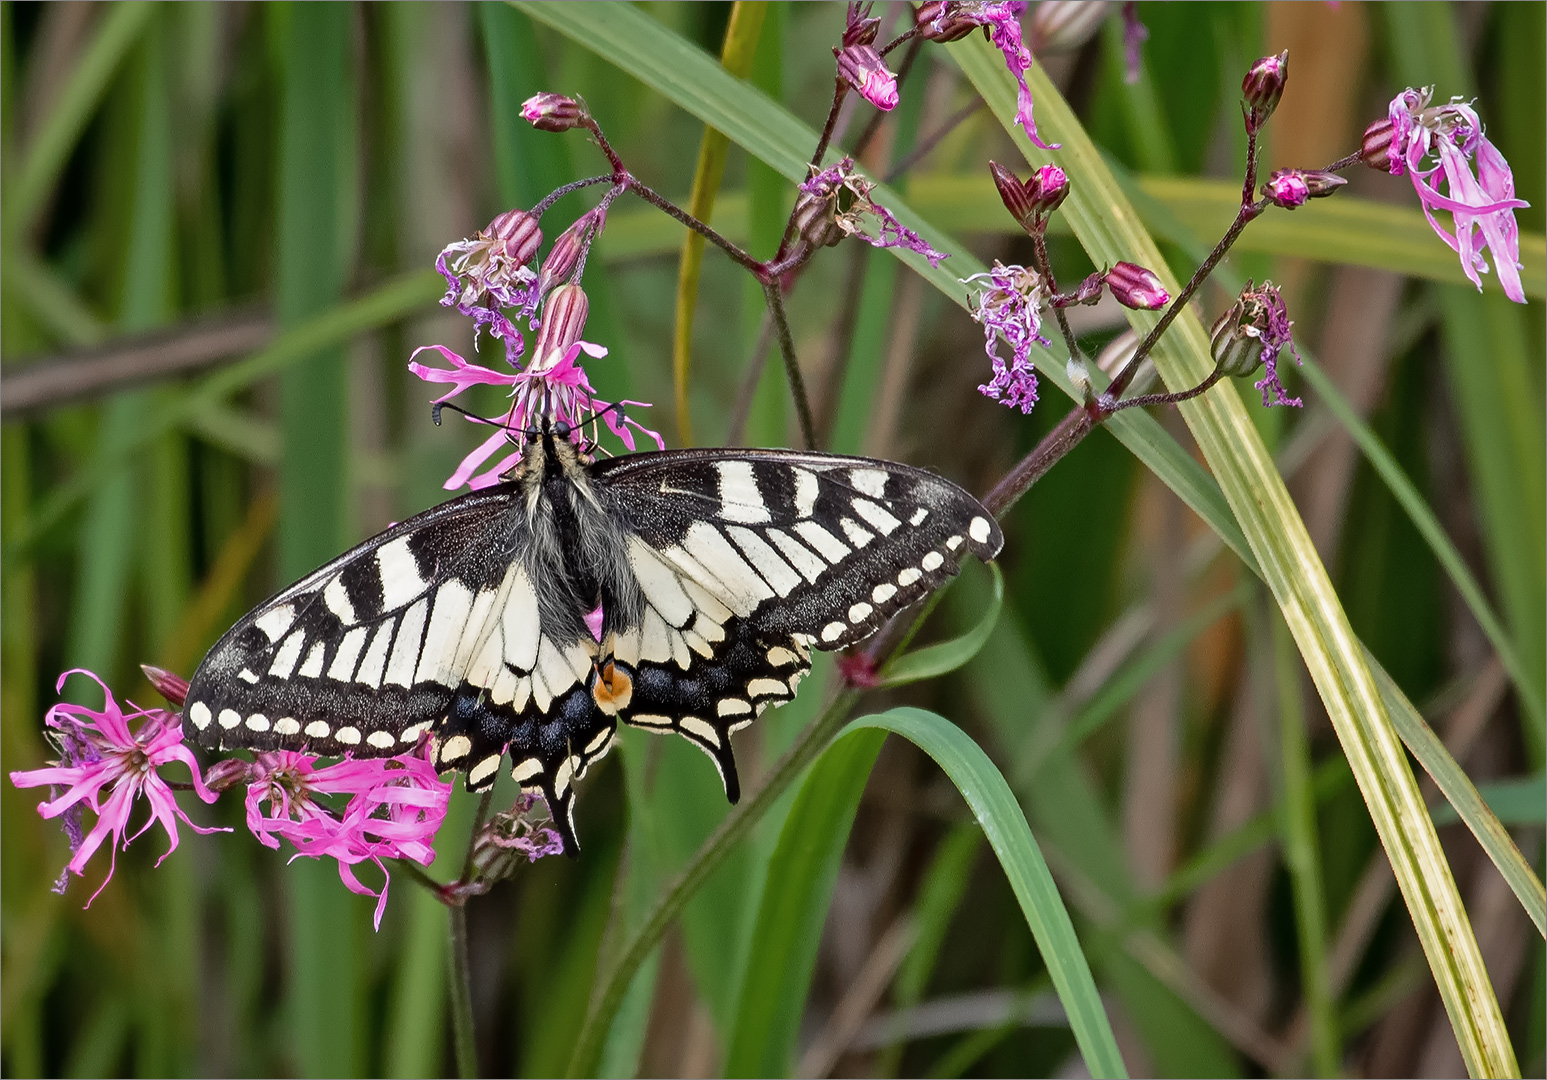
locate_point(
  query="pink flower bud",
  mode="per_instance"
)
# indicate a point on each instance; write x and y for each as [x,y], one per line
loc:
[1263,87]
[1286,188]
[1052,188]
[1135,287]
[226,774]
[1030,202]
[1376,146]
[517,235]
[553,112]
[859,28]
[564,316]
[862,68]
[572,243]
[170,686]
[1290,188]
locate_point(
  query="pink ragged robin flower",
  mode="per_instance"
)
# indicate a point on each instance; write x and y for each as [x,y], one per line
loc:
[819,207]
[396,806]
[101,755]
[1001,20]
[1135,34]
[1009,306]
[552,112]
[553,388]
[1482,206]
[488,274]
[860,65]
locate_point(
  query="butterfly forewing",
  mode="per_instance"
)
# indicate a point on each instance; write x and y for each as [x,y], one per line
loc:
[715,573]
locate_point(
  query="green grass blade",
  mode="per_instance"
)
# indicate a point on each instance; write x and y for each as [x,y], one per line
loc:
[1460,792]
[1107,227]
[382,306]
[1428,525]
[736,56]
[327,1009]
[50,149]
[1302,855]
[943,657]
[1004,824]
[1520,801]
[801,876]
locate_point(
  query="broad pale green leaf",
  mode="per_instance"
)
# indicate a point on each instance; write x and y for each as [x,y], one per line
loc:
[1108,227]
[995,807]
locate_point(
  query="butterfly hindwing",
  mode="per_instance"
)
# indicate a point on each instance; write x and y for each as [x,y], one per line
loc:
[746,559]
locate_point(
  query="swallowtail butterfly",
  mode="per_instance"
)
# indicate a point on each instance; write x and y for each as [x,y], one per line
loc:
[715,572]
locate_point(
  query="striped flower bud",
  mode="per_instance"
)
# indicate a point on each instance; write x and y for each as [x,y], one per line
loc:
[564,316]
[1133,286]
[1263,87]
[1290,188]
[553,112]
[1064,25]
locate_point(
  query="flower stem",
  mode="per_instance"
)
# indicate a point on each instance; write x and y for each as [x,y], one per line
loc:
[558,193]
[459,968]
[1045,268]
[659,201]
[775,295]
[808,745]
[461,1002]
[1054,445]
[1243,218]
[1108,406]
[922,150]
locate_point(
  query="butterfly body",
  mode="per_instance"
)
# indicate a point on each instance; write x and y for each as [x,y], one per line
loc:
[677,591]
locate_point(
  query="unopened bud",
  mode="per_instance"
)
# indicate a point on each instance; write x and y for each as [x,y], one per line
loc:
[517,234]
[1236,341]
[1064,25]
[553,112]
[862,68]
[944,20]
[564,315]
[1052,188]
[816,218]
[1376,146]
[860,28]
[1016,196]
[1289,188]
[1263,87]
[226,774]
[568,249]
[1030,202]
[1088,292]
[170,686]
[1135,287]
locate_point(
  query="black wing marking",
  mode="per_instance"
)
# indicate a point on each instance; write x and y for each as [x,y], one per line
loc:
[430,627]
[746,559]
[801,544]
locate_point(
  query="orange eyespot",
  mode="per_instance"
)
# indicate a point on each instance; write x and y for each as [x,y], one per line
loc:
[611,688]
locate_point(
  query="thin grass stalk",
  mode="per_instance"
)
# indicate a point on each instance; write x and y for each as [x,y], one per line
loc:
[1302,855]
[736,56]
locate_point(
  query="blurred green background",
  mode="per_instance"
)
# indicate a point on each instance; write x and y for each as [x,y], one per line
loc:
[219,227]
